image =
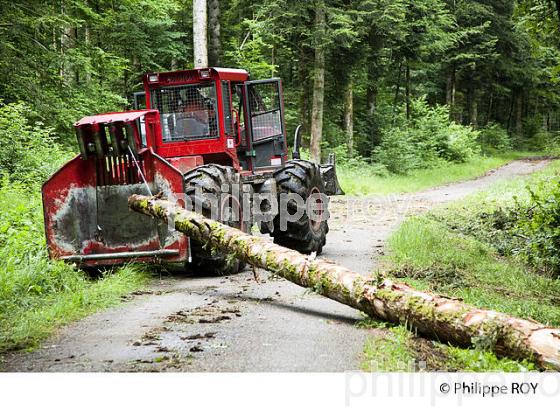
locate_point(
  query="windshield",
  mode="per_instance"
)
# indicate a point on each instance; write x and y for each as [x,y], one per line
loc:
[265,106]
[188,112]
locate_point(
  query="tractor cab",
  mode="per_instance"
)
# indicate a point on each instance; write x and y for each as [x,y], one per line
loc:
[217,116]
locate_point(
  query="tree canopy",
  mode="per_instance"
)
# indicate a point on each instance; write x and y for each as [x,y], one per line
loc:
[494,63]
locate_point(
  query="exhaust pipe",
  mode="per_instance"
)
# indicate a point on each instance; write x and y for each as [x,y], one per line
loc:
[328,170]
[297,143]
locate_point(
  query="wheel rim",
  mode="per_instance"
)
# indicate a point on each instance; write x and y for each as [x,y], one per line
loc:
[230,211]
[317,210]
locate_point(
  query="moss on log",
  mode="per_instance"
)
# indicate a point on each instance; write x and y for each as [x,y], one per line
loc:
[435,316]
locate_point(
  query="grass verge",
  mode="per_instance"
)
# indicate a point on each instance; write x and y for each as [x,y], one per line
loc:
[388,349]
[430,253]
[37,294]
[364,181]
[397,349]
[25,327]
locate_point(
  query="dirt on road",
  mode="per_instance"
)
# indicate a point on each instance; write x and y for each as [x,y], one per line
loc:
[200,324]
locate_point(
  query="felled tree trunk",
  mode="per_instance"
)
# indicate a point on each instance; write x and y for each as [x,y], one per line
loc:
[448,320]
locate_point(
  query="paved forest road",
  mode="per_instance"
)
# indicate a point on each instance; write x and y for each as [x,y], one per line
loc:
[235,324]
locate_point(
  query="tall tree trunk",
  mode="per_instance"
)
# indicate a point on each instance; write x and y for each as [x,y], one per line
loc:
[87,42]
[451,93]
[349,116]
[67,41]
[273,61]
[371,108]
[558,12]
[490,108]
[510,115]
[215,52]
[474,115]
[200,39]
[447,320]
[519,113]
[408,85]
[371,99]
[472,105]
[372,89]
[397,90]
[303,73]
[318,83]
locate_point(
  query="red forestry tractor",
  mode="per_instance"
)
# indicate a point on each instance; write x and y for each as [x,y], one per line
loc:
[203,132]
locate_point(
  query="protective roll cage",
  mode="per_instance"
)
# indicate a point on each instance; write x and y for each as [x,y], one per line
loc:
[188,112]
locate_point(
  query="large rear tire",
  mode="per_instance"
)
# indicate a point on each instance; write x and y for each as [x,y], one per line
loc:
[305,235]
[215,191]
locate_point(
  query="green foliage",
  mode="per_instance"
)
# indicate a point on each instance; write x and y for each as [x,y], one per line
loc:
[250,51]
[494,137]
[80,58]
[535,137]
[472,251]
[426,140]
[538,224]
[424,249]
[527,228]
[472,360]
[393,349]
[28,152]
[74,58]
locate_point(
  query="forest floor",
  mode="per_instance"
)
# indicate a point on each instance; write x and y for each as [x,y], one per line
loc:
[233,323]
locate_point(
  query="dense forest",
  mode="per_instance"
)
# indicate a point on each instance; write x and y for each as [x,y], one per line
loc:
[408,94]
[403,84]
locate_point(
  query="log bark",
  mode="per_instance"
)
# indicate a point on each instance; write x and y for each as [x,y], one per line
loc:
[445,319]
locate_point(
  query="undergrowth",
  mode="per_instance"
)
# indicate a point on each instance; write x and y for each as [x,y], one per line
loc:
[37,294]
[397,349]
[495,250]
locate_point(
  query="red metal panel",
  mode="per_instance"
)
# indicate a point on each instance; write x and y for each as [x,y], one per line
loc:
[126,116]
[82,218]
[75,173]
[232,74]
[166,79]
[185,164]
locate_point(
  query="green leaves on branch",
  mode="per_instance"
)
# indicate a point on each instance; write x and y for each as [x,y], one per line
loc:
[28,152]
[426,140]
